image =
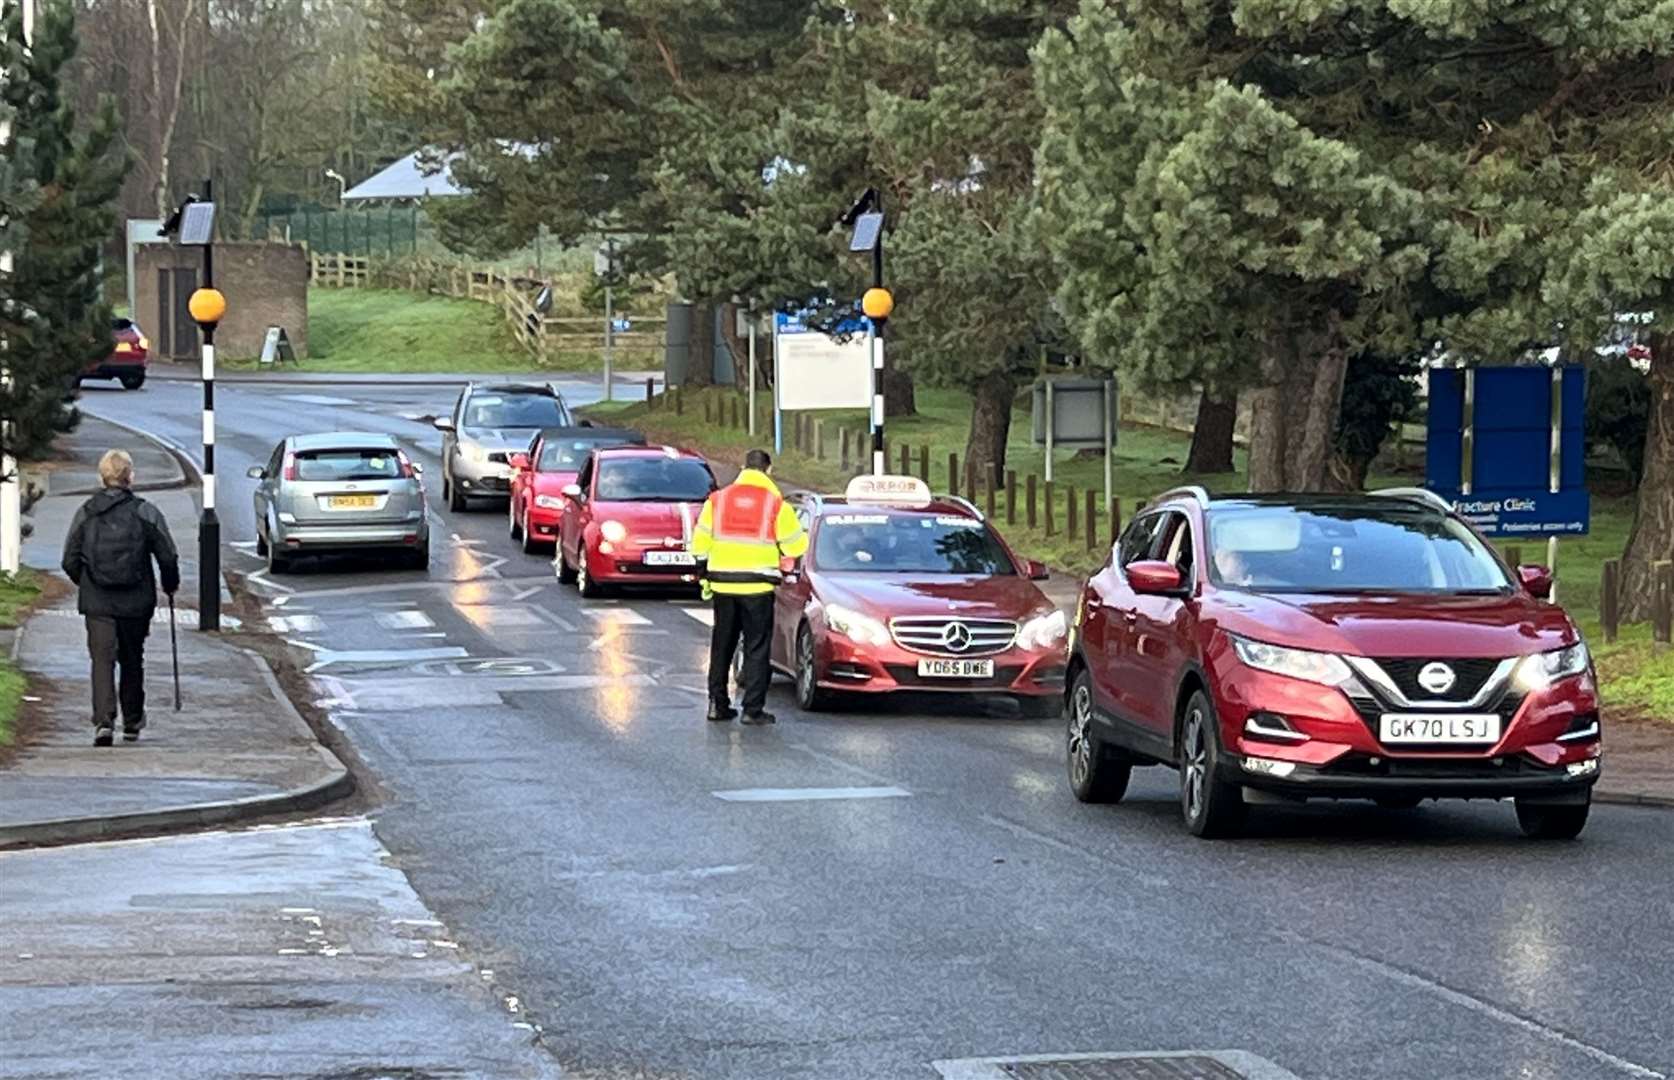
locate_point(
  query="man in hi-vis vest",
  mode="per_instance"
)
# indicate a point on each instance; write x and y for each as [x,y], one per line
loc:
[742,535]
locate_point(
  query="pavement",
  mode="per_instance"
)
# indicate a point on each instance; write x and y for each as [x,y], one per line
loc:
[300,374]
[887,889]
[237,748]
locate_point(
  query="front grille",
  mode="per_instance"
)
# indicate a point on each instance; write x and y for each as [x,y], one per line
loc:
[499,457]
[906,675]
[1508,767]
[930,634]
[1469,675]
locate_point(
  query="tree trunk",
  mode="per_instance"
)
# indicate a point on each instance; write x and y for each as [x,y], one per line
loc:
[1294,416]
[990,422]
[1212,435]
[1652,538]
[738,345]
[899,399]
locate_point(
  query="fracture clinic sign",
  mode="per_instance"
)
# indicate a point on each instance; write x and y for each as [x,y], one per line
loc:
[815,371]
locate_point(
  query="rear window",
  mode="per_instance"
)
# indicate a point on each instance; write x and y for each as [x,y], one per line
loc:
[335,465]
[653,479]
[515,411]
[1349,549]
[866,540]
[566,455]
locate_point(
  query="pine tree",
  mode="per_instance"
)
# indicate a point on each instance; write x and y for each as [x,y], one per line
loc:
[55,284]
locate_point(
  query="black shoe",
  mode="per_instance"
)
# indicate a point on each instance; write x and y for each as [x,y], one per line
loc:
[719,713]
[131,729]
[102,736]
[763,717]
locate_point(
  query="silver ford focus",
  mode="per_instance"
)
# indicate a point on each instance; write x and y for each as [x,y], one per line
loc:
[340,491]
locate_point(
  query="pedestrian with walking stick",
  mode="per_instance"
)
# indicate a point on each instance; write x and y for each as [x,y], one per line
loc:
[108,553]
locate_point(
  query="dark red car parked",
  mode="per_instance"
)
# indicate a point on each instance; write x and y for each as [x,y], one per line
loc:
[128,356]
[1337,646]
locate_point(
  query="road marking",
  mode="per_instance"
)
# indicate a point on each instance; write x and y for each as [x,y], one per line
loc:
[187,617]
[706,616]
[524,594]
[809,794]
[617,616]
[1477,1005]
[318,399]
[404,620]
[329,657]
[1242,1062]
[491,616]
[260,578]
[295,624]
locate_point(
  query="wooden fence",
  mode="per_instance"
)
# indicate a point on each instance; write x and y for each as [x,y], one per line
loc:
[546,338]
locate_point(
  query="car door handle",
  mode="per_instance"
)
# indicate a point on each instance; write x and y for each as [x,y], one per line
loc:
[1131,616]
[1094,602]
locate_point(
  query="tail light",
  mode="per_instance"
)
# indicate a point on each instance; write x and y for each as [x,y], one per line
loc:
[290,466]
[407,469]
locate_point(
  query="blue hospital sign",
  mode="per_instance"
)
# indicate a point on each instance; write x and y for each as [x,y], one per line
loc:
[1507,445]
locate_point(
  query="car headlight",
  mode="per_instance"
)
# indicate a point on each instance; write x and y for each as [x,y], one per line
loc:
[860,629]
[549,502]
[614,531]
[1327,669]
[1542,670]
[1043,631]
[473,453]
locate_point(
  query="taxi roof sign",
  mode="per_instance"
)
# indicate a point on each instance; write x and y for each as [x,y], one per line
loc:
[891,490]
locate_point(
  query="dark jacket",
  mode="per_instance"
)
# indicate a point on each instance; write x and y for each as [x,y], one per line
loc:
[141,600]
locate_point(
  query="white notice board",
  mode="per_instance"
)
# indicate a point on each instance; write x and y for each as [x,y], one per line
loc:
[816,372]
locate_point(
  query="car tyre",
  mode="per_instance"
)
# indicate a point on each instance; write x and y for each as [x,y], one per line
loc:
[1545,822]
[810,696]
[584,583]
[450,492]
[531,545]
[566,572]
[1097,773]
[276,563]
[1212,807]
[511,519]
[132,382]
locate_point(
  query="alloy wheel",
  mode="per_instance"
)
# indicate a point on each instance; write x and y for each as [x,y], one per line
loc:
[1195,766]
[1080,738]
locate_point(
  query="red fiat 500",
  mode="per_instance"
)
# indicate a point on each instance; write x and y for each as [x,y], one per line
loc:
[628,518]
[540,476]
[902,591]
[1342,646]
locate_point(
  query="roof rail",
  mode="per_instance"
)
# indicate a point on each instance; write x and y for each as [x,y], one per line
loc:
[1417,494]
[1190,491]
[960,500]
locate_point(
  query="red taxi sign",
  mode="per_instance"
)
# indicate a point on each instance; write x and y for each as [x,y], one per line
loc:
[893,490]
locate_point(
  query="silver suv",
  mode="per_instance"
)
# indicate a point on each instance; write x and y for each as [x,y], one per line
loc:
[487,426]
[340,491]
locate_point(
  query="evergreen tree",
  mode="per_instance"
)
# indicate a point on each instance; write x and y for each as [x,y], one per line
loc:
[54,284]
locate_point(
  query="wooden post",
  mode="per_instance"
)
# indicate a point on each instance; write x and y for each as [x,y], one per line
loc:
[1609,603]
[679,401]
[970,480]
[1030,503]
[708,413]
[906,459]
[1662,602]
[734,406]
[952,472]
[819,440]
[650,390]
[924,463]
[1092,519]
[993,482]
[1048,498]
[342,267]
[1072,524]
[843,449]
[1115,519]
[1514,556]
[1011,496]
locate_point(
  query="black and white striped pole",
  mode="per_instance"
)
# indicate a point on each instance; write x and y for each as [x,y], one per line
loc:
[866,217]
[207,307]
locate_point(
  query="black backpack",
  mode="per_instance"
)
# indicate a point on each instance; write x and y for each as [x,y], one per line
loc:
[114,548]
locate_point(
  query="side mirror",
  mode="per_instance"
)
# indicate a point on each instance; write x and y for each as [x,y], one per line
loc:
[1038,571]
[418,469]
[1537,580]
[1152,577]
[442,423]
[586,423]
[256,472]
[519,461]
[573,492]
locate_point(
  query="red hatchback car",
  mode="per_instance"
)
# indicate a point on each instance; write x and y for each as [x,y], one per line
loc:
[915,593]
[540,475]
[1337,646]
[629,516]
[128,357]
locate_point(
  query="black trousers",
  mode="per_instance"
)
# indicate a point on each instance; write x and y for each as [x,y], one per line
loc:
[113,643]
[752,618]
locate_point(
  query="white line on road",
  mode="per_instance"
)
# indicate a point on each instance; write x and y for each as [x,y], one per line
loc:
[384,656]
[1477,1005]
[706,616]
[617,616]
[260,578]
[809,794]
[295,624]
[404,620]
[524,594]
[1026,833]
[317,399]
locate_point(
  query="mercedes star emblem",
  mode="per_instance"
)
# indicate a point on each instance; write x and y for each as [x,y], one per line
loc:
[957,637]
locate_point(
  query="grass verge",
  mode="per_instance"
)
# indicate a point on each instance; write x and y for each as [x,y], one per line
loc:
[18,592]
[1636,673]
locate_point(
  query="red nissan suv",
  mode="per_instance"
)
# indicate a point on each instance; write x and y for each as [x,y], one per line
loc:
[1281,648]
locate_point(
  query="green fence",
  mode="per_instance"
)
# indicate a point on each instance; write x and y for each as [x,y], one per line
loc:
[385,231]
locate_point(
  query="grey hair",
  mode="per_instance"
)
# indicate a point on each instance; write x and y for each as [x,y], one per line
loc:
[116,469]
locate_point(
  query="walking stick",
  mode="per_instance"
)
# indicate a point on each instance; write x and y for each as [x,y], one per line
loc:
[174,647]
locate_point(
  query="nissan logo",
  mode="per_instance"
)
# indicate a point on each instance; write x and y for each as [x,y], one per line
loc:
[957,637]
[1436,677]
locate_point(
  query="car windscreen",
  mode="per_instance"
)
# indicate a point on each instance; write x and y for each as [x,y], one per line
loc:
[566,455]
[653,479]
[868,541]
[1349,549]
[514,411]
[343,465]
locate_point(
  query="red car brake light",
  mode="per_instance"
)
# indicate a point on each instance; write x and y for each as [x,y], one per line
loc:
[290,466]
[407,469]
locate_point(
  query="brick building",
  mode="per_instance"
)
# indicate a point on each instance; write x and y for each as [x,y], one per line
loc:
[266,284]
